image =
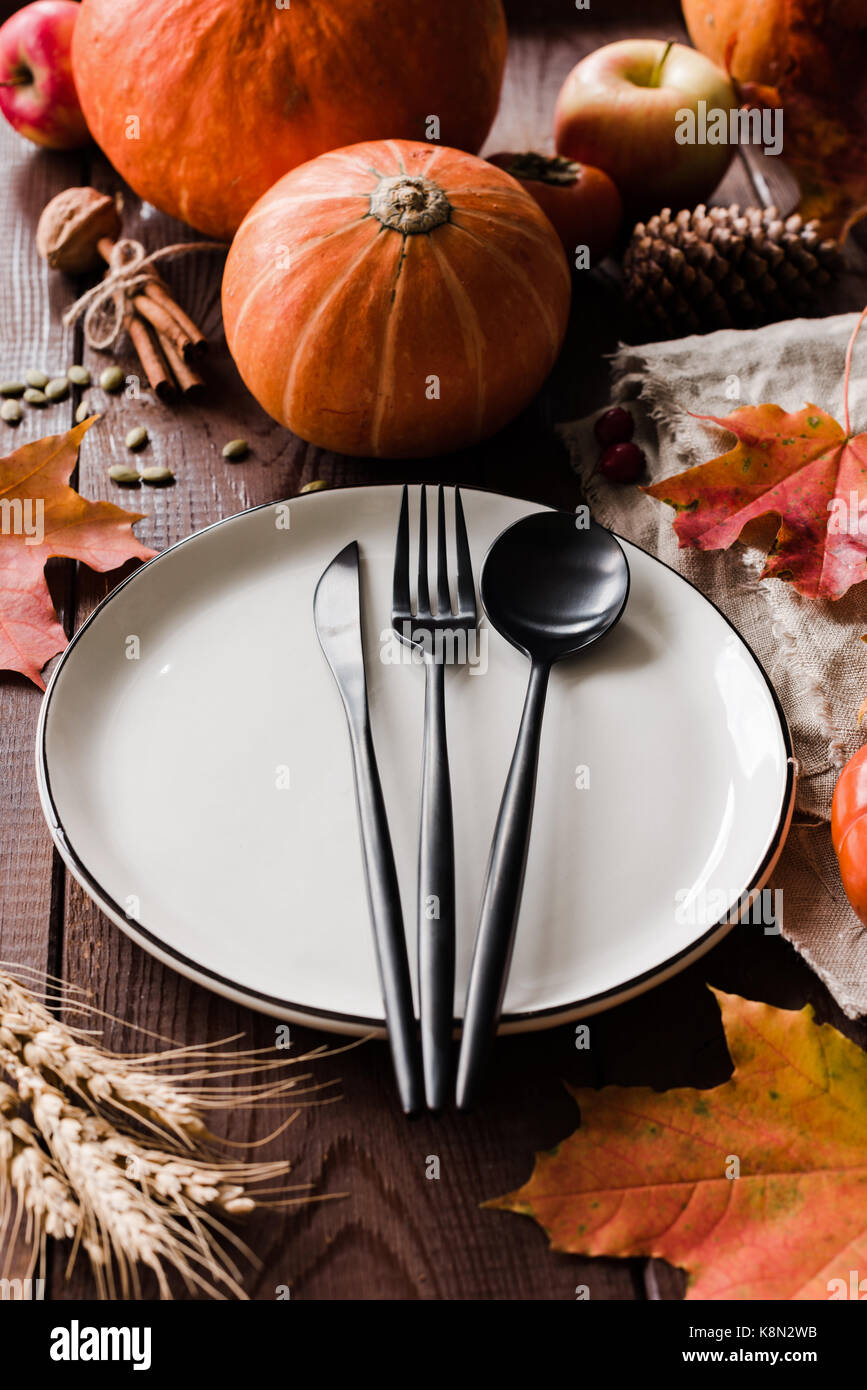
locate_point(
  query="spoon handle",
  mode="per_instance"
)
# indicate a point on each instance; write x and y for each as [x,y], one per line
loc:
[501,899]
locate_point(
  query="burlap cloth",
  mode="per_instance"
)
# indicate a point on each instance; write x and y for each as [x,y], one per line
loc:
[810,649]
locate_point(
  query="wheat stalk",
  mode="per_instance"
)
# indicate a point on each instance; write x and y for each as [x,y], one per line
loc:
[111,1151]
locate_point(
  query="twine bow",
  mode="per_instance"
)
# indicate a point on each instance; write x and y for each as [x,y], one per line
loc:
[107,307]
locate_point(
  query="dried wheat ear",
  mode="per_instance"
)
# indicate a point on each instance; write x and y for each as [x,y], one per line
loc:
[111,1151]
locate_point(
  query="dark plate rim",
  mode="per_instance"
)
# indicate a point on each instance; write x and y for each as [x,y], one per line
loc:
[265,1003]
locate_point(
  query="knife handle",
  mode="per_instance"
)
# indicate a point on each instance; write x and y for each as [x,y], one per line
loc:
[383,896]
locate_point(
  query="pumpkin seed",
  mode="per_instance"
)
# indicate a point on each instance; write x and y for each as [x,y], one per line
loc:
[157,477]
[34,397]
[11,412]
[36,378]
[111,379]
[235,450]
[83,413]
[57,389]
[136,439]
[11,388]
[316,486]
[79,376]
[124,475]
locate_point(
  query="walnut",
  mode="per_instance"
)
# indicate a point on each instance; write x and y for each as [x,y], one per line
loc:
[71,227]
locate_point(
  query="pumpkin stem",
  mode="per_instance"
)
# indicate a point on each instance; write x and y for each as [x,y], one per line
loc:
[409,204]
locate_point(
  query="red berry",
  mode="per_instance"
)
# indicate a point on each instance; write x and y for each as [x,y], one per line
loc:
[614,427]
[622,463]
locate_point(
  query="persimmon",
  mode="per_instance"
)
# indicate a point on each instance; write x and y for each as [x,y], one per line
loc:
[582,203]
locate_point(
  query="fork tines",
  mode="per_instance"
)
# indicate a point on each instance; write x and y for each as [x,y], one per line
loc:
[402,610]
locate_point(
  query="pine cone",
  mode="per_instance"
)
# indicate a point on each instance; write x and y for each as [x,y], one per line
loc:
[725,268]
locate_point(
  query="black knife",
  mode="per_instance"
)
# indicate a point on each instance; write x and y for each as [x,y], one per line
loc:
[337,616]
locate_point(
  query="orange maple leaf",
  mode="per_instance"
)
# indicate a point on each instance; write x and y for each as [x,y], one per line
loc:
[40,517]
[652,1173]
[802,467]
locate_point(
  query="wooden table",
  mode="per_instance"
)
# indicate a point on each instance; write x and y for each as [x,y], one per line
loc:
[396,1234]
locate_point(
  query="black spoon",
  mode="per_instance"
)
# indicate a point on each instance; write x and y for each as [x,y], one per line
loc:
[551,587]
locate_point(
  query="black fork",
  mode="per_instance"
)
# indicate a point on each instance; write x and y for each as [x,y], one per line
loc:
[439,637]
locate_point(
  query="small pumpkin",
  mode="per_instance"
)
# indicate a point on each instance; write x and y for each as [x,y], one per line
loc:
[395,299]
[849,830]
[201,105]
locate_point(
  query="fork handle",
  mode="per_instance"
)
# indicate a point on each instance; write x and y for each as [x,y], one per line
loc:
[501,899]
[436,894]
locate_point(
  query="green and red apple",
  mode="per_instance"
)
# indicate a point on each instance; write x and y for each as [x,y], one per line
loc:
[37,90]
[620,109]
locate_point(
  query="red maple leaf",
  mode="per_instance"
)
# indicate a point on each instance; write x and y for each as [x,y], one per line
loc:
[805,469]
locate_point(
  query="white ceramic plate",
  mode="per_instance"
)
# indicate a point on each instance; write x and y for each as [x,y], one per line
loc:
[194,768]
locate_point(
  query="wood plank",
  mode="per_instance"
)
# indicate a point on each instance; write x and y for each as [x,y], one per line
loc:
[31,304]
[398,1234]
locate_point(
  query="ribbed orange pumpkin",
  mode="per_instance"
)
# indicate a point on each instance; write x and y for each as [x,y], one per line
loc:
[796,45]
[395,299]
[752,36]
[202,105]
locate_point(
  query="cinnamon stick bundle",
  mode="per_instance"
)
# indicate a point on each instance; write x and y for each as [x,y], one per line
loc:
[164,337]
[79,226]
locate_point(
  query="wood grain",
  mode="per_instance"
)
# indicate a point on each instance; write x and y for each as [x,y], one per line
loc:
[31,305]
[397,1233]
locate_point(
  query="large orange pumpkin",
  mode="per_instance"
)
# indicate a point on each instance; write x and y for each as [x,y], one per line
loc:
[807,45]
[395,299]
[201,105]
[752,35]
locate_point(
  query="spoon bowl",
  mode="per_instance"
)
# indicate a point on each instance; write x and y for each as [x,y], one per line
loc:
[551,587]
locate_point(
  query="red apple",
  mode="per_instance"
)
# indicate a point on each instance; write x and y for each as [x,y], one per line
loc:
[37,91]
[582,203]
[618,109]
